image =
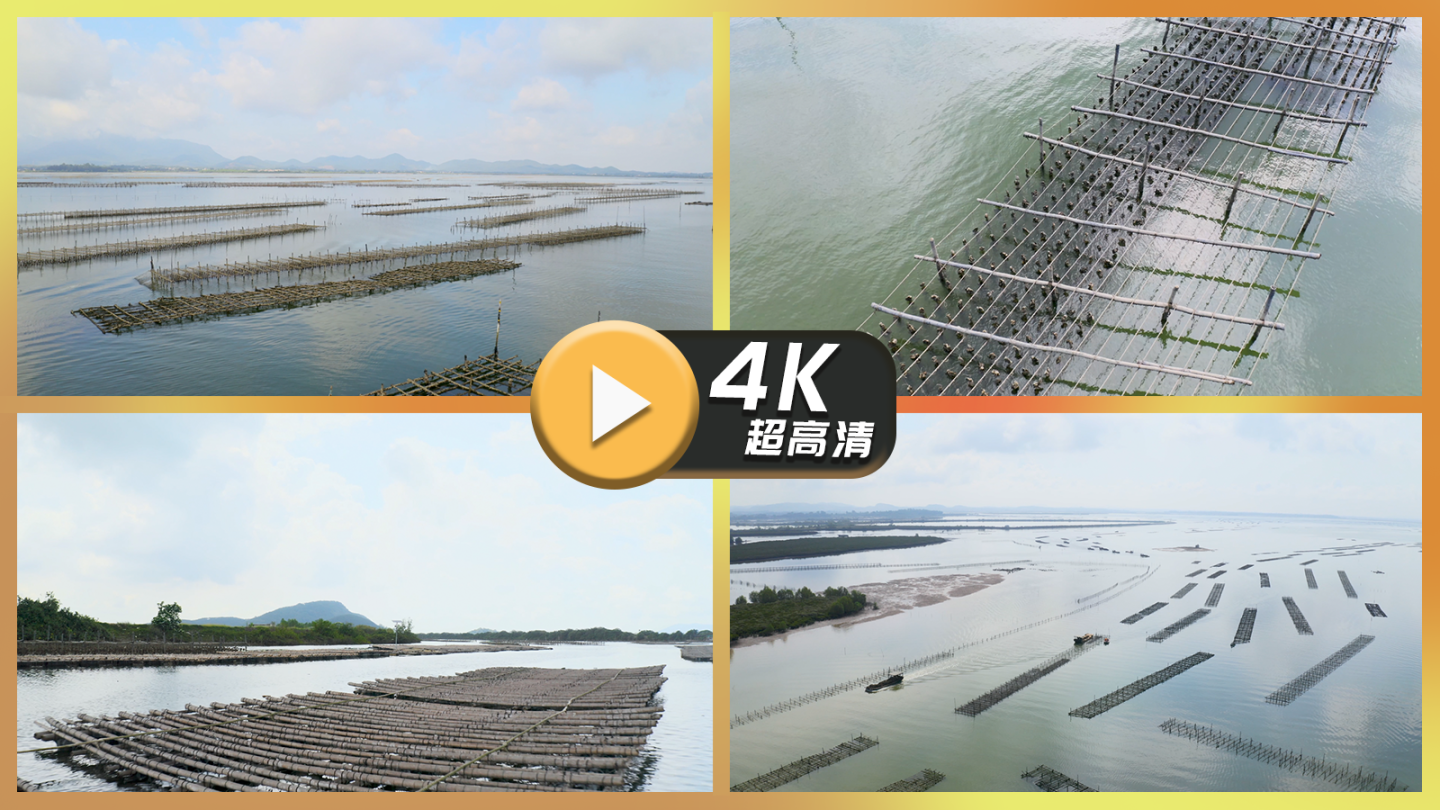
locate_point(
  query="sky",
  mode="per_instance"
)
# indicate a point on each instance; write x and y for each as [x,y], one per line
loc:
[630,93]
[454,521]
[1350,465]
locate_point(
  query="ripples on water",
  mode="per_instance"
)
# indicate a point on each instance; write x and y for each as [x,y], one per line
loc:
[680,745]
[350,346]
[879,134]
[1366,713]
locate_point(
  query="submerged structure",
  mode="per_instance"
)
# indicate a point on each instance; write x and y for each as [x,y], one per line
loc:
[1149,242]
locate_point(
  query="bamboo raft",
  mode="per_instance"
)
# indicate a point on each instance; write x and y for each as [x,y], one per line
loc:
[523,216]
[82,253]
[1246,567]
[1301,625]
[1216,574]
[1337,773]
[1148,244]
[1052,781]
[1287,694]
[1180,594]
[1135,617]
[1349,589]
[1310,580]
[482,376]
[1264,580]
[1309,562]
[174,209]
[917,783]
[498,729]
[328,260]
[698,652]
[786,774]
[1162,635]
[169,310]
[625,194]
[499,202]
[1214,598]
[114,224]
[101,659]
[1196,573]
[1246,627]
[1101,705]
[1375,611]
[1024,679]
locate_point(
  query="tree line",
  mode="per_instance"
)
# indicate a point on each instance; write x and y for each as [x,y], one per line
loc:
[769,611]
[587,634]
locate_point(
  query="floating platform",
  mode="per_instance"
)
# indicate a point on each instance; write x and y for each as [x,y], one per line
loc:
[174,209]
[1302,626]
[786,774]
[1196,573]
[1264,580]
[1053,781]
[1246,627]
[1214,598]
[115,224]
[523,216]
[1246,567]
[498,729]
[1135,617]
[83,253]
[698,652]
[1375,610]
[1178,626]
[1216,574]
[1287,694]
[165,311]
[1337,773]
[1180,594]
[495,203]
[483,376]
[1310,580]
[1345,583]
[918,783]
[1024,679]
[1104,704]
[326,260]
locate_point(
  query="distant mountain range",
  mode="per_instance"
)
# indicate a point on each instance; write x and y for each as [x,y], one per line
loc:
[169,153]
[305,612]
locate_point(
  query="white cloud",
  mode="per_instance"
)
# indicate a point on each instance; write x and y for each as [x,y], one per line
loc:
[542,94]
[58,59]
[327,60]
[595,47]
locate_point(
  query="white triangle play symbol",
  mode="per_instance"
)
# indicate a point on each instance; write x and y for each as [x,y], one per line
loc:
[611,403]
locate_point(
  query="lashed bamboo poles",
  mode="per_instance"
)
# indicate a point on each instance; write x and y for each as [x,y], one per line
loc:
[1103,704]
[788,773]
[161,311]
[82,253]
[1142,613]
[1171,630]
[1024,679]
[1302,625]
[1287,694]
[916,783]
[501,202]
[1335,772]
[624,194]
[523,216]
[1191,79]
[111,224]
[397,738]
[322,260]
[479,377]
[1052,781]
[174,209]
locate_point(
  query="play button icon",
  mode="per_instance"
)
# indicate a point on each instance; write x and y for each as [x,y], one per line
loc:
[611,403]
[605,432]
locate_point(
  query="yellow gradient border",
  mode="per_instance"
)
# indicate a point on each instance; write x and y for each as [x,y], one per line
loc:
[720,12]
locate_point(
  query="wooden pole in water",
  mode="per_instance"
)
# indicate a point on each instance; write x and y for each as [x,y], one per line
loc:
[498,308]
[1113,66]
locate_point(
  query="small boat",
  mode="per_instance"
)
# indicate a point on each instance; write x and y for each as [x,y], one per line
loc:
[893,680]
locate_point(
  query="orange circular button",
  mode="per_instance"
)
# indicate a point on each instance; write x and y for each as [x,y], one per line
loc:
[614,404]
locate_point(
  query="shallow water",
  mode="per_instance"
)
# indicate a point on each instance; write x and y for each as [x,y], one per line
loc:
[854,141]
[349,346]
[680,745]
[1366,713]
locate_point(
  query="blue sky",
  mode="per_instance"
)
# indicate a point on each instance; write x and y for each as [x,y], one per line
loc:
[1352,465]
[630,93]
[454,521]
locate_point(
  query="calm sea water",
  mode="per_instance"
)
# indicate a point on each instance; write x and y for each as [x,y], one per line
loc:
[1366,713]
[680,745]
[351,346]
[854,141]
